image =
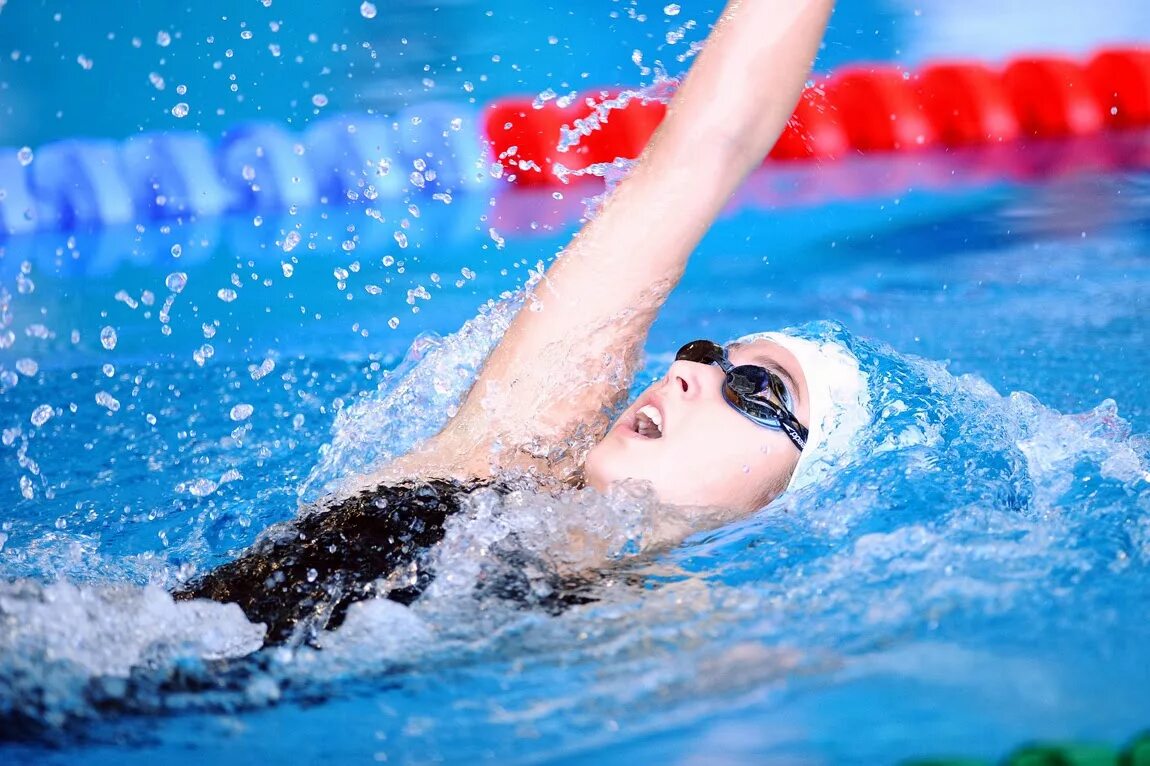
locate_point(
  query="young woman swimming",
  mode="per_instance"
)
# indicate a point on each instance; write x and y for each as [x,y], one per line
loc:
[728,427]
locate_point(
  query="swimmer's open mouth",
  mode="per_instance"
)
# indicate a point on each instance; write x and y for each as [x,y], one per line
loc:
[649,422]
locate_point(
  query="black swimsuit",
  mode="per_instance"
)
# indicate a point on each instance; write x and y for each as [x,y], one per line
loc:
[300,577]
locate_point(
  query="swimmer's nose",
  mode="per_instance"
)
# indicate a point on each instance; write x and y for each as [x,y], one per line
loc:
[690,380]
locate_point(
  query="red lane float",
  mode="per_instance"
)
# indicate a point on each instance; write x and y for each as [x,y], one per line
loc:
[813,132]
[967,103]
[1120,78]
[1052,97]
[876,108]
[525,138]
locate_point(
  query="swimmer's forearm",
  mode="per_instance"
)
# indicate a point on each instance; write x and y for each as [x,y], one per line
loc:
[727,115]
[744,86]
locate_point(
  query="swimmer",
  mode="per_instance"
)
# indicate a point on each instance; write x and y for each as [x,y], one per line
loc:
[730,426]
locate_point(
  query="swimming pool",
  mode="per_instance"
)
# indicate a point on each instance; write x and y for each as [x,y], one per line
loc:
[978,581]
[920,606]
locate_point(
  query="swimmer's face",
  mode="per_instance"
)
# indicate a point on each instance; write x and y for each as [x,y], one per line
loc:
[708,454]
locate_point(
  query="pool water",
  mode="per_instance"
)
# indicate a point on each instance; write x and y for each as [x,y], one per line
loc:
[975,579]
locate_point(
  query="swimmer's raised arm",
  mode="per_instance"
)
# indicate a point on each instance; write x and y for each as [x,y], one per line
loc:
[570,354]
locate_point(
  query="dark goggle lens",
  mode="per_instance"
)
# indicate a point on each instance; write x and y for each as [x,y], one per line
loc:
[703,352]
[755,391]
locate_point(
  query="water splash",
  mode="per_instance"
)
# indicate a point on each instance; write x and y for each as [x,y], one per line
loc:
[411,403]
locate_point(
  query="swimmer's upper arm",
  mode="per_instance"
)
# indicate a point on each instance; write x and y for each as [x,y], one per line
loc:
[570,354]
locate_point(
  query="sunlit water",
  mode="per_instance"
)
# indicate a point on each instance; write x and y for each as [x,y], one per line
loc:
[980,568]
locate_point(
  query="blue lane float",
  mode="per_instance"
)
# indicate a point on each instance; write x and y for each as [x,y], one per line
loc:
[78,183]
[90,183]
[171,174]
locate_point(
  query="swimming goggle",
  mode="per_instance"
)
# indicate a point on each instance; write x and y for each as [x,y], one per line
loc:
[755,392]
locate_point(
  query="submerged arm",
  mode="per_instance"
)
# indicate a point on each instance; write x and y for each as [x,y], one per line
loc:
[570,353]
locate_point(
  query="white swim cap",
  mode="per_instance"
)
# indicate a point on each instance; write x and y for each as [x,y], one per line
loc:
[837,399]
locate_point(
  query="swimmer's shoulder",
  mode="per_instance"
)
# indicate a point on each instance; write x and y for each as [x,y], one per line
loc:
[450,457]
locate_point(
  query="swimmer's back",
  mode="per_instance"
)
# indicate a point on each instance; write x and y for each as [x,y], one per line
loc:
[300,577]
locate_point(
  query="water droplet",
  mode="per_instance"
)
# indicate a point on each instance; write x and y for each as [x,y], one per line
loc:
[319,100]
[393,322]
[241,412]
[246,34]
[177,250]
[42,415]
[180,110]
[176,281]
[24,156]
[181,89]
[348,245]
[163,39]
[372,289]
[27,367]
[201,487]
[287,269]
[367,10]
[227,294]
[401,239]
[108,369]
[311,575]
[671,10]
[157,80]
[84,62]
[108,338]
[104,399]
[265,368]
[290,241]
